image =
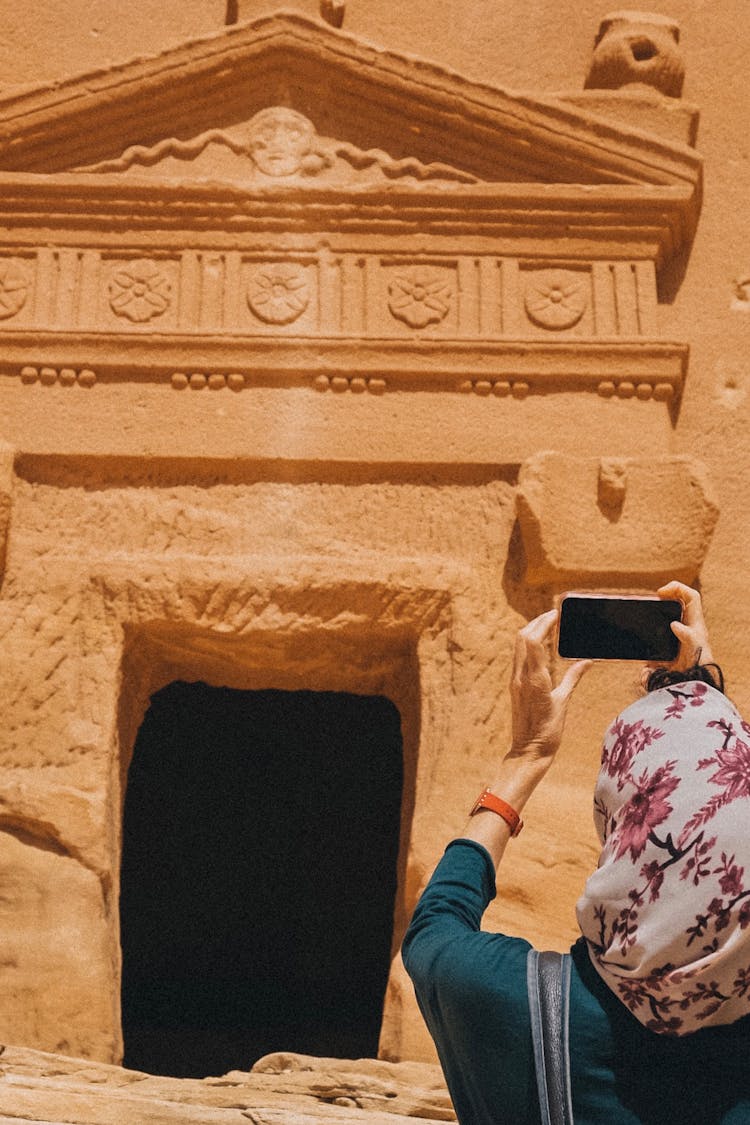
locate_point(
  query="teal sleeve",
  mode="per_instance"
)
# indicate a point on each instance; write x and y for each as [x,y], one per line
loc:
[471,990]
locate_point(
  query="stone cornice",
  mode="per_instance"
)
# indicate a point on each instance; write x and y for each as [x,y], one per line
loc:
[491,133]
[614,221]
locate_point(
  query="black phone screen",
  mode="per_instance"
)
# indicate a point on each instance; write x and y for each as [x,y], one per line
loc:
[611,628]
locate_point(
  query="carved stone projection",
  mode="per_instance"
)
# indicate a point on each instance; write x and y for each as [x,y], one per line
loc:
[333,11]
[639,48]
[264,231]
[583,519]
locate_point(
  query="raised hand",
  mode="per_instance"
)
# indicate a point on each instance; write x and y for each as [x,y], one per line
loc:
[691,632]
[538,707]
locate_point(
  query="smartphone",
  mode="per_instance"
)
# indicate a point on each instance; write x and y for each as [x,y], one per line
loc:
[611,627]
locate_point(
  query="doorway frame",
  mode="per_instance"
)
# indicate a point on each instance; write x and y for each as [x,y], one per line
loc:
[389,638]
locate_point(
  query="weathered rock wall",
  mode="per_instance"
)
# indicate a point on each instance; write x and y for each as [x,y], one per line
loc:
[258,575]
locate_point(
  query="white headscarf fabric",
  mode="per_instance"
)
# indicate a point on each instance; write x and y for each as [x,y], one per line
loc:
[667,913]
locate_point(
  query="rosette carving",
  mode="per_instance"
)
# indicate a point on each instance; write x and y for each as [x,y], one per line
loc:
[556,298]
[420,296]
[14,287]
[279,293]
[140,291]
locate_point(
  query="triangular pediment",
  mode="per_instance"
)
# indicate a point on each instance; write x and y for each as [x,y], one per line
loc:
[187,113]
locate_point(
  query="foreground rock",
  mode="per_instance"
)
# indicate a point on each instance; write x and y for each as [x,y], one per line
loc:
[281,1089]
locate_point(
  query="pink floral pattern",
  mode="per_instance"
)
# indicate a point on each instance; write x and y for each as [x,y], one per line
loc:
[645,809]
[629,740]
[680,699]
[663,912]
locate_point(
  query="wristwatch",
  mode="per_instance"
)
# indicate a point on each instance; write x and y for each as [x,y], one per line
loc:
[488,800]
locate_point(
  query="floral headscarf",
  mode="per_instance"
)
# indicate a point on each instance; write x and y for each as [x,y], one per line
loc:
[667,913]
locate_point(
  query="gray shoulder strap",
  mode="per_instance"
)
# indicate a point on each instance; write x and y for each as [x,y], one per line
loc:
[548,983]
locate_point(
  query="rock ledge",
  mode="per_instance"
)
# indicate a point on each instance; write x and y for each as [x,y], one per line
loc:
[281,1089]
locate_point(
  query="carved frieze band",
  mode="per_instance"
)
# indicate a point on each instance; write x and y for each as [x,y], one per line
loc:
[323,293]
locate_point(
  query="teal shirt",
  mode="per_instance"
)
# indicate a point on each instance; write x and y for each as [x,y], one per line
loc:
[471,989]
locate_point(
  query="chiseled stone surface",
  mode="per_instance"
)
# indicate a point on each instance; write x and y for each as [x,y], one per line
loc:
[281,1089]
[583,519]
[327,361]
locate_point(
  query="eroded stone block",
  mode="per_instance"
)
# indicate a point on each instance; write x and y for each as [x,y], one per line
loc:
[614,522]
[55,967]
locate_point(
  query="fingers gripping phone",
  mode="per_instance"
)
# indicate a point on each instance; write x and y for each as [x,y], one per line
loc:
[611,627]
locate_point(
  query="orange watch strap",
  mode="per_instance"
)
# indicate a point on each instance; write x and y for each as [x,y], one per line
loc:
[488,800]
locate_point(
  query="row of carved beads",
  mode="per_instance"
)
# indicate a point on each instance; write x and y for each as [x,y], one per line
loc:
[214,381]
[357,384]
[66,376]
[607,388]
[626,388]
[519,388]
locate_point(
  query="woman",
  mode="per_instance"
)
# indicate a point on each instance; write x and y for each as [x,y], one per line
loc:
[660,986]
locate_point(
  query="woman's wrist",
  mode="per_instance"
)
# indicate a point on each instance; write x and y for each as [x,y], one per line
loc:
[513,782]
[518,775]
[538,717]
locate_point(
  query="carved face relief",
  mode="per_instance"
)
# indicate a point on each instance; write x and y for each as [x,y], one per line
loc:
[279,139]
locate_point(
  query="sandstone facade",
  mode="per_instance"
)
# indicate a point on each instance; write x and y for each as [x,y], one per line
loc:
[328,359]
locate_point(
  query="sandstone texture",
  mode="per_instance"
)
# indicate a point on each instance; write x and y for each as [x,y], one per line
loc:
[337,343]
[281,1089]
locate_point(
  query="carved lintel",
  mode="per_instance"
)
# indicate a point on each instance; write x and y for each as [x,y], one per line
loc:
[662,530]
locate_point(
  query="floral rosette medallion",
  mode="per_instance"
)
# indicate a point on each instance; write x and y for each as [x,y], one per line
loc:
[556,298]
[420,296]
[279,293]
[14,288]
[140,291]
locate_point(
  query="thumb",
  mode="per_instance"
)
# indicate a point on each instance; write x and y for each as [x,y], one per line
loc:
[572,677]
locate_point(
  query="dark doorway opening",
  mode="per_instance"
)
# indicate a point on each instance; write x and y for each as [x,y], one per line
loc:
[260,844]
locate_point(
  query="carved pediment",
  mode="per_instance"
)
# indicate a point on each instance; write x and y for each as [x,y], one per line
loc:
[368,99]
